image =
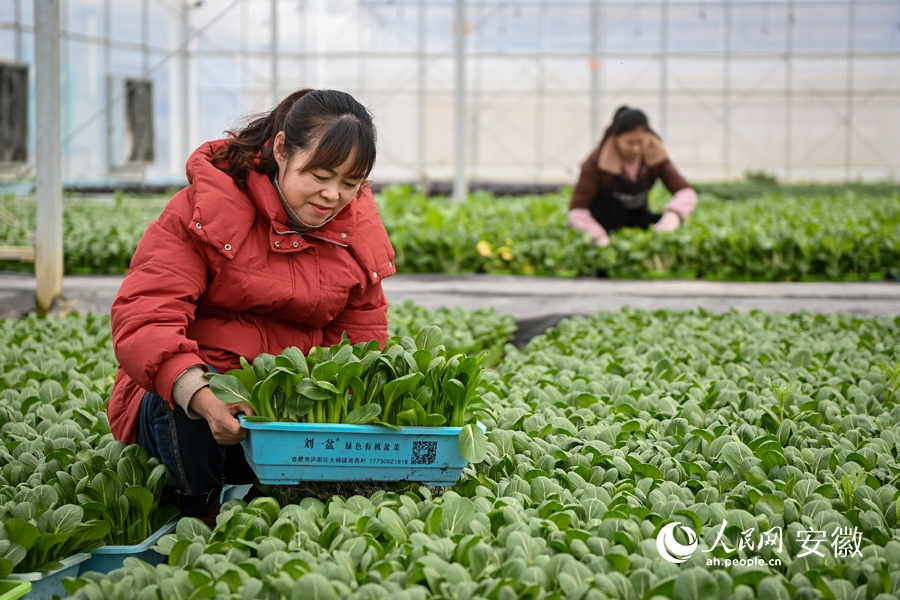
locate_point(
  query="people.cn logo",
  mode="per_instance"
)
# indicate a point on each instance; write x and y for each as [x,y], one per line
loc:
[670,549]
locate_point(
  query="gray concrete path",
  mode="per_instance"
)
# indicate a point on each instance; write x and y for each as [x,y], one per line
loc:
[537,302]
[526,297]
[81,293]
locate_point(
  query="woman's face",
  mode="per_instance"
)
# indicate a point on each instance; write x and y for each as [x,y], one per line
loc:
[631,144]
[318,194]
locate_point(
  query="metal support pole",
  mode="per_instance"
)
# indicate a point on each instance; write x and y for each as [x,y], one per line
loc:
[274,90]
[788,90]
[65,82]
[595,71]
[48,136]
[316,47]
[422,98]
[145,37]
[362,28]
[244,93]
[726,95]
[851,43]
[184,76]
[664,72]
[476,97]
[541,91]
[460,182]
[18,31]
[107,87]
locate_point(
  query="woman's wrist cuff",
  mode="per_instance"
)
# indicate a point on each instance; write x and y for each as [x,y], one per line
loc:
[187,384]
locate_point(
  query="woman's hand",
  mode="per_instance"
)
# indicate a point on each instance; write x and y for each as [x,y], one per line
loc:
[601,241]
[669,222]
[221,416]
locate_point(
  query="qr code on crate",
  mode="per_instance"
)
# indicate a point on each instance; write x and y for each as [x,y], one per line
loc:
[424,453]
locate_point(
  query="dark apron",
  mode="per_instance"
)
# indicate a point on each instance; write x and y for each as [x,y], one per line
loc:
[626,208]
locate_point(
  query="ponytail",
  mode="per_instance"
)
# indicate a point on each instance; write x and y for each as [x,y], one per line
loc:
[333,122]
[628,119]
[621,111]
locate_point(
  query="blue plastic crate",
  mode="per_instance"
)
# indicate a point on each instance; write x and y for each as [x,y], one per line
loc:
[110,558]
[45,585]
[288,453]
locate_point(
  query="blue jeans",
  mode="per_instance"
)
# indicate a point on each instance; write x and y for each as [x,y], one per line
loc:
[199,466]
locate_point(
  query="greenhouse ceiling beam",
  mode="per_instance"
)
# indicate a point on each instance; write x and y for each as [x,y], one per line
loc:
[449,54]
[735,91]
[623,3]
[575,56]
[48,177]
[99,40]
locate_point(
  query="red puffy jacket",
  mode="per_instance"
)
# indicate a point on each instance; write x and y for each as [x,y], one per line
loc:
[222,275]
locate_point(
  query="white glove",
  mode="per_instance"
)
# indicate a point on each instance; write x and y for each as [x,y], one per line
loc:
[668,223]
[601,241]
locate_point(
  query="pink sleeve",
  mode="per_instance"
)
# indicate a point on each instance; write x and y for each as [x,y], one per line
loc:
[683,203]
[582,220]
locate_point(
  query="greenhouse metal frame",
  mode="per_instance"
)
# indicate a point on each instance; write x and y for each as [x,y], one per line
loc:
[799,89]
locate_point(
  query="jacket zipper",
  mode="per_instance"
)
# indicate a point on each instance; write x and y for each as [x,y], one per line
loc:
[312,236]
[326,240]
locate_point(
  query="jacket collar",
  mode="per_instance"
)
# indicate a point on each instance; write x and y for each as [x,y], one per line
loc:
[610,160]
[360,228]
[222,214]
[226,213]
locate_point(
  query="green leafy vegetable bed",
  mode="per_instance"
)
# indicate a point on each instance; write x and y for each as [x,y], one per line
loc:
[770,237]
[617,436]
[837,232]
[65,485]
[77,351]
[98,237]
[465,331]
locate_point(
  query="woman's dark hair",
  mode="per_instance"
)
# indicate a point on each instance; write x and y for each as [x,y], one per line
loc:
[331,122]
[629,119]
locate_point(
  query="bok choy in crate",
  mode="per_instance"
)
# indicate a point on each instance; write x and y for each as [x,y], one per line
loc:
[412,382]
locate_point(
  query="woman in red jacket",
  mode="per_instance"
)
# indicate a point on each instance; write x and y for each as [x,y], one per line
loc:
[276,242]
[617,177]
